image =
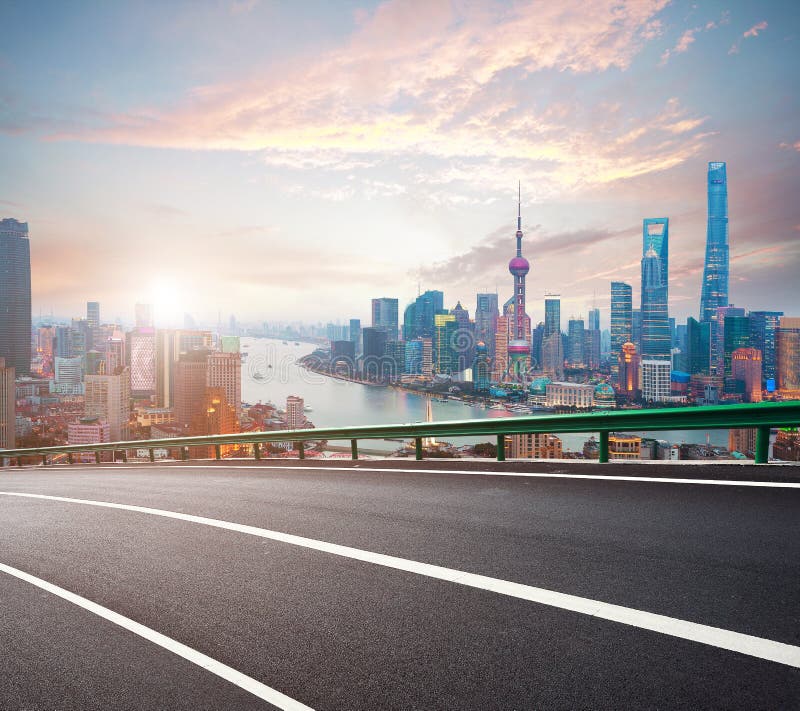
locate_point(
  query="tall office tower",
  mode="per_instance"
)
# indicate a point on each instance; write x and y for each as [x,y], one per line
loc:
[718,337]
[64,346]
[216,417]
[427,358]
[167,353]
[15,295]
[108,397]
[444,351]
[142,349]
[591,348]
[144,315]
[655,380]
[295,419]
[621,319]
[519,349]
[736,335]
[355,334]
[395,358]
[552,314]
[746,373]
[500,363]
[413,356]
[763,329]
[410,322]
[714,292]
[486,315]
[114,353]
[68,371]
[191,376]
[698,347]
[594,319]
[93,313]
[628,365]
[385,316]
[7,403]
[481,368]
[426,306]
[225,372]
[656,339]
[788,361]
[575,343]
[374,346]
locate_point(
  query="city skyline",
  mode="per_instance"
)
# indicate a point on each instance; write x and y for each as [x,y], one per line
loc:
[129,172]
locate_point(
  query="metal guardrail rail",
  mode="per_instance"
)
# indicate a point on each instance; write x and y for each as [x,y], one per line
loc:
[761,416]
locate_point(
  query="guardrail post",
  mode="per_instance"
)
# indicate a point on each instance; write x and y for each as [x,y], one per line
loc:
[97,457]
[217,452]
[69,458]
[603,458]
[501,448]
[124,455]
[44,460]
[354,448]
[184,454]
[152,454]
[257,450]
[762,444]
[19,461]
[301,450]
[418,448]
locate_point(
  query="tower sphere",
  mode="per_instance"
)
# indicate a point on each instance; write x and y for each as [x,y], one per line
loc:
[519,266]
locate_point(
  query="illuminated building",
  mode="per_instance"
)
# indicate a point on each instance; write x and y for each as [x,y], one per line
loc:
[533,446]
[15,295]
[656,339]
[788,365]
[216,417]
[624,446]
[577,395]
[519,348]
[742,440]
[628,365]
[552,357]
[501,349]
[445,327]
[107,397]
[225,372]
[714,292]
[746,370]
[763,328]
[7,404]
[621,319]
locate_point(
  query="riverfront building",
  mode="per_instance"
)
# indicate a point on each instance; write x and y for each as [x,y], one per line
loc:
[714,292]
[519,349]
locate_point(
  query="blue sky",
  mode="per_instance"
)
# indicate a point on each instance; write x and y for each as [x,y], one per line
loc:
[293,160]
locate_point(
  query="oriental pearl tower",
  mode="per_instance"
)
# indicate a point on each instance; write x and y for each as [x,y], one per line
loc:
[519,349]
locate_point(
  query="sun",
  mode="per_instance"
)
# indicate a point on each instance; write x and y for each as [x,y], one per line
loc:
[168,302]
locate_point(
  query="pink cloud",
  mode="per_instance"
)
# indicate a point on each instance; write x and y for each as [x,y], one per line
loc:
[755,29]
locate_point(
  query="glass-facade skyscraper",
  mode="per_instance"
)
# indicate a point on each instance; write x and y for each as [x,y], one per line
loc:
[385,316]
[656,337]
[621,316]
[763,328]
[15,296]
[714,292]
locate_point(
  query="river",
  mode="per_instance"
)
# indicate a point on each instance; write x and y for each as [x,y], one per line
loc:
[338,403]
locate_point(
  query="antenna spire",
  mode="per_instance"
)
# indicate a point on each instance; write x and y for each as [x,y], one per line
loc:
[519,206]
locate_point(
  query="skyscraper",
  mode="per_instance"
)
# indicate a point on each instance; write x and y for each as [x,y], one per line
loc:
[108,398]
[7,403]
[575,339]
[385,316]
[355,334]
[519,350]
[552,346]
[225,372]
[15,295]
[656,338]
[763,328]
[93,313]
[486,315]
[714,292]
[621,319]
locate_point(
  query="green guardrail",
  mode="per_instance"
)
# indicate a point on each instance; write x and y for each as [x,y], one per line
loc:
[761,416]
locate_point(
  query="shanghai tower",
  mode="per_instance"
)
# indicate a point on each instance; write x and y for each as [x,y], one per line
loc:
[15,295]
[715,272]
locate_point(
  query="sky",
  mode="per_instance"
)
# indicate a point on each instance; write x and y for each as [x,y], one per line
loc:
[290,161]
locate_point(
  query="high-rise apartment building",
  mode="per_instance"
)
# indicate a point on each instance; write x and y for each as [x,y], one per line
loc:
[15,295]
[656,337]
[7,403]
[714,292]
[746,373]
[295,417]
[385,316]
[654,379]
[534,446]
[191,377]
[108,397]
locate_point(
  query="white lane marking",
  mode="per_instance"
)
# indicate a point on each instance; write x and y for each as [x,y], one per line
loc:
[485,472]
[256,688]
[714,636]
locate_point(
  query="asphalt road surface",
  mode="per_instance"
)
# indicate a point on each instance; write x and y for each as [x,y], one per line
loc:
[220,586]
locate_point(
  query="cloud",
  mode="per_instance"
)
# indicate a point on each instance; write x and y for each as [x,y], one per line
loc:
[688,37]
[752,32]
[451,82]
[790,146]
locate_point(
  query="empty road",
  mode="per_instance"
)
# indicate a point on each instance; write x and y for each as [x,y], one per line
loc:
[398,586]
